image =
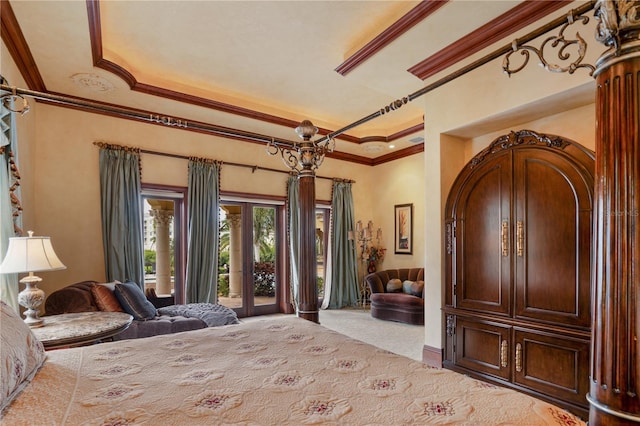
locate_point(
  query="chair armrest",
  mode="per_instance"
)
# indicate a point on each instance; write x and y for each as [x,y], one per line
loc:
[375,283]
[159,301]
[162,301]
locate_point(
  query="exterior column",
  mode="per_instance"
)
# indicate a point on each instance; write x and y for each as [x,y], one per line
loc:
[235,254]
[615,367]
[162,220]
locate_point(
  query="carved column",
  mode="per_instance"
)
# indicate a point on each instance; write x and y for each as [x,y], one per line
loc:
[162,220]
[304,158]
[308,291]
[615,368]
[235,254]
[309,157]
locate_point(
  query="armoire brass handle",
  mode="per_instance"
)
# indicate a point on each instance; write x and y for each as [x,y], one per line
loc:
[518,357]
[520,238]
[504,233]
[504,353]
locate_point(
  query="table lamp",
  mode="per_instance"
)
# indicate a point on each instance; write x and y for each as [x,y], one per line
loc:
[30,254]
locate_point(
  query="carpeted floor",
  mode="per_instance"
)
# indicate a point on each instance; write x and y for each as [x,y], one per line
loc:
[403,339]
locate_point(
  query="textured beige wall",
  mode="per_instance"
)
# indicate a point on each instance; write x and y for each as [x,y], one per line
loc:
[569,124]
[399,182]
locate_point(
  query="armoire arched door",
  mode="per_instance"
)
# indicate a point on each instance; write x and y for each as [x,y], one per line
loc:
[518,231]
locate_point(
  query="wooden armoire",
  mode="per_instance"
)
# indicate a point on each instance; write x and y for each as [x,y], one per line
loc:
[518,236]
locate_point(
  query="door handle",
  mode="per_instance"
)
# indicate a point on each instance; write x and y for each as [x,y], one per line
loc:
[504,354]
[504,235]
[520,238]
[518,357]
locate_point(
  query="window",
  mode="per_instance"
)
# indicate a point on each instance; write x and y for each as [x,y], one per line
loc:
[322,241]
[164,233]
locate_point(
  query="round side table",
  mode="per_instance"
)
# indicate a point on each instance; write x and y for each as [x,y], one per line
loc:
[82,328]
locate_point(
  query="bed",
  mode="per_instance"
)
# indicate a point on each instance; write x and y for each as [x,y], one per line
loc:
[277,371]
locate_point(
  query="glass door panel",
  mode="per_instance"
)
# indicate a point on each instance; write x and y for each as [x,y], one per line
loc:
[230,257]
[247,275]
[322,233]
[264,256]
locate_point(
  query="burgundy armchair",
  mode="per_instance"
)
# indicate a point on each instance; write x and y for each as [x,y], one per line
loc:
[404,303]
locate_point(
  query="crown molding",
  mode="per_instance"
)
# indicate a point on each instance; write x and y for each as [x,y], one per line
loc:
[406,132]
[95,33]
[504,25]
[396,155]
[402,25]
[14,39]
[18,48]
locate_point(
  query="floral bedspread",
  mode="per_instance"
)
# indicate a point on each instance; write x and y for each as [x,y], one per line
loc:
[285,371]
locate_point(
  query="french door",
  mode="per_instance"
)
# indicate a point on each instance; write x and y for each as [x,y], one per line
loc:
[250,276]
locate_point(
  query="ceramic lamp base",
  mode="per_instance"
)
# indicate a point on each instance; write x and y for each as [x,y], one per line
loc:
[31,298]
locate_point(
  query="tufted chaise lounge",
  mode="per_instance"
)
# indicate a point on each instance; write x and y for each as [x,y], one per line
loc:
[397,306]
[78,298]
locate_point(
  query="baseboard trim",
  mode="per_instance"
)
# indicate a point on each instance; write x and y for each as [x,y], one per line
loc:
[432,356]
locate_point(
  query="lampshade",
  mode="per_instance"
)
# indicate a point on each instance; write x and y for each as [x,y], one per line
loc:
[30,254]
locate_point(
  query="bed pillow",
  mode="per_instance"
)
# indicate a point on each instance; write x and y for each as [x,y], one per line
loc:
[394,286]
[134,302]
[413,288]
[21,355]
[105,298]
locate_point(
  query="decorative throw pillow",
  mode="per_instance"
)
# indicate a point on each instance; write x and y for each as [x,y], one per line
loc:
[394,286]
[105,298]
[112,285]
[134,302]
[21,355]
[413,287]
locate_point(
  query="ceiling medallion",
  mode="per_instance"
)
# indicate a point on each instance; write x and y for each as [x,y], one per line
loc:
[93,82]
[373,147]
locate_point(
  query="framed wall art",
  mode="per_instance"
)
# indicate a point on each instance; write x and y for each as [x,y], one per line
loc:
[404,229]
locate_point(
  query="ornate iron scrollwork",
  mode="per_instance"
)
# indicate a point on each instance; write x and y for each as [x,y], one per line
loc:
[559,42]
[14,102]
[305,156]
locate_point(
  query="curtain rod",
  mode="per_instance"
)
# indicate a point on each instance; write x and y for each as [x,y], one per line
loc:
[140,115]
[228,163]
[255,137]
